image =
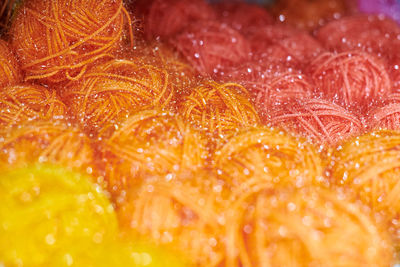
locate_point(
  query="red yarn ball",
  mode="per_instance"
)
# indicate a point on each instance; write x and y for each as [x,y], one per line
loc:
[354,80]
[318,120]
[212,46]
[242,16]
[168,17]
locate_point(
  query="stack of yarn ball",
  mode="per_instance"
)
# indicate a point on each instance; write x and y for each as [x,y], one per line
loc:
[184,133]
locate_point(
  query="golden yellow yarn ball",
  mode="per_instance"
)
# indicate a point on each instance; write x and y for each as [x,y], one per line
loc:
[150,142]
[185,213]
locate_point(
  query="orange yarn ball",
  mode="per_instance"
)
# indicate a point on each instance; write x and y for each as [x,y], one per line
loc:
[219,109]
[9,69]
[58,40]
[150,142]
[369,165]
[270,156]
[306,227]
[22,103]
[181,74]
[107,94]
[54,142]
[185,214]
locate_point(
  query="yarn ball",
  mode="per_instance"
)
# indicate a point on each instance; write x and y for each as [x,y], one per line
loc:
[253,74]
[242,16]
[263,37]
[59,40]
[268,155]
[272,92]
[303,227]
[184,213]
[370,33]
[309,14]
[299,45]
[52,217]
[10,72]
[53,142]
[150,142]
[354,80]
[107,94]
[211,46]
[386,114]
[319,120]
[169,17]
[26,102]
[219,109]
[181,74]
[369,166]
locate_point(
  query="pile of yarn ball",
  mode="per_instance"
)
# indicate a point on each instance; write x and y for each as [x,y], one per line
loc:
[195,133]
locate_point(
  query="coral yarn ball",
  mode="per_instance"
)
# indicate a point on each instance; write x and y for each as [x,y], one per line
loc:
[387,114]
[242,16]
[319,120]
[10,72]
[303,227]
[185,214]
[299,45]
[211,46]
[25,102]
[53,142]
[369,166]
[219,109]
[109,93]
[285,88]
[53,217]
[355,80]
[370,33]
[168,17]
[150,142]
[269,156]
[59,40]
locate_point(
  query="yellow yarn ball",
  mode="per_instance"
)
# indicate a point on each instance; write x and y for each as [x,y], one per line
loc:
[53,217]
